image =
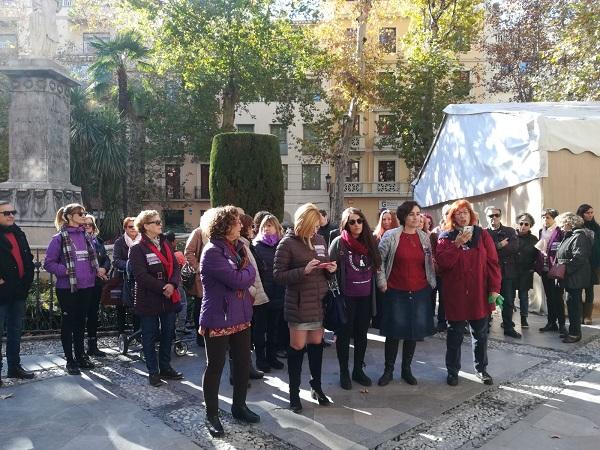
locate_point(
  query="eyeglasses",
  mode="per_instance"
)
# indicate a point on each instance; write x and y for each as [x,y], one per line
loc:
[90,225]
[80,214]
[354,222]
[155,222]
[494,215]
[9,213]
[462,213]
[524,224]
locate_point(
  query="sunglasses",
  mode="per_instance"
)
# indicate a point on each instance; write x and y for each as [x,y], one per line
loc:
[131,227]
[494,215]
[524,223]
[354,222]
[155,222]
[9,213]
[90,225]
[80,214]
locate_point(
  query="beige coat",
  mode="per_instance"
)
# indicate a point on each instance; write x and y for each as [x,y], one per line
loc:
[256,290]
[192,253]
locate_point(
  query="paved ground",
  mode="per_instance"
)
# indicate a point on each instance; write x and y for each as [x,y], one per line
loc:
[546,395]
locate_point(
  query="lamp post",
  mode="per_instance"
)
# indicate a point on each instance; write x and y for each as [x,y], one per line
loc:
[329,190]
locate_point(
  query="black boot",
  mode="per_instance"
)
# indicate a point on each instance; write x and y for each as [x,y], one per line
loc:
[358,374]
[391,350]
[295,358]
[343,351]
[408,351]
[261,360]
[315,363]
[93,348]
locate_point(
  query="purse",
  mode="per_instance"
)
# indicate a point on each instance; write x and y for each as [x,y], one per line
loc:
[188,276]
[112,291]
[334,306]
[557,272]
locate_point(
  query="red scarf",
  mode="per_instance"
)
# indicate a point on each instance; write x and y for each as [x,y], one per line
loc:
[168,264]
[353,244]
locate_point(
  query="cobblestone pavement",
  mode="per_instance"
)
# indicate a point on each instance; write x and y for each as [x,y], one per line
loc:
[531,373]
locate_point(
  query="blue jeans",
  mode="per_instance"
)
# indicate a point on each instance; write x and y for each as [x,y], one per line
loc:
[11,315]
[162,327]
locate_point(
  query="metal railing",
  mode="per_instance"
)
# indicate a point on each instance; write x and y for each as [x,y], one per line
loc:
[42,312]
[377,188]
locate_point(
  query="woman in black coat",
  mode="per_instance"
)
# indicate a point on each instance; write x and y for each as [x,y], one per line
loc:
[574,252]
[586,212]
[525,261]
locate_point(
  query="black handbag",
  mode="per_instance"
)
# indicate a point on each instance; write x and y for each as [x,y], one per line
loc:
[334,305]
[188,276]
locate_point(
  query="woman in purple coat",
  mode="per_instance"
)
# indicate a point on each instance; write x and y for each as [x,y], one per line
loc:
[71,257]
[226,314]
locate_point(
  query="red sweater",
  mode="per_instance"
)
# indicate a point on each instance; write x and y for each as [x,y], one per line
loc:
[408,270]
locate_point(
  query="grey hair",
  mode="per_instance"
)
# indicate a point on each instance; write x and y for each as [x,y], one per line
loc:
[527,216]
[491,208]
[569,218]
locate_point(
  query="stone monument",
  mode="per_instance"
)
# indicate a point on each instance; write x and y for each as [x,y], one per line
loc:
[38,140]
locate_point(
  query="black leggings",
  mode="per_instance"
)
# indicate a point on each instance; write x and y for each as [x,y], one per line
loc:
[92,313]
[358,313]
[238,345]
[74,307]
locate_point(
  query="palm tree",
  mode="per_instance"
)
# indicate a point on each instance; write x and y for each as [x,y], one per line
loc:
[114,58]
[98,155]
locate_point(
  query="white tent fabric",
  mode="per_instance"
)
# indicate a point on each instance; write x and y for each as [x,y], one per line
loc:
[483,148]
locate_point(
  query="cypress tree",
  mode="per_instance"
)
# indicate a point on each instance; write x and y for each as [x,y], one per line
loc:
[245,171]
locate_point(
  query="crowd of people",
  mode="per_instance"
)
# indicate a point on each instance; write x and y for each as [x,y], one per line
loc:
[254,286]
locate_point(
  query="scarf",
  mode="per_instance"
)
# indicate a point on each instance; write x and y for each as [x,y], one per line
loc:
[167,263]
[67,251]
[241,261]
[353,244]
[542,244]
[268,239]
[131,242]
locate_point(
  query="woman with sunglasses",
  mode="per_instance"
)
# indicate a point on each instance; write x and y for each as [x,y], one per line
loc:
[71,257]
[123,243]
[104,264]
[358,261]
[406,278]
[525,261]
[156,298]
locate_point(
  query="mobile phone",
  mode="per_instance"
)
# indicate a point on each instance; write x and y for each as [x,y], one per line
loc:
[468,229]
[324,265]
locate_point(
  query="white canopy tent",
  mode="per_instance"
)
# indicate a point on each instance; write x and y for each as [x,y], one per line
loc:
[482,148]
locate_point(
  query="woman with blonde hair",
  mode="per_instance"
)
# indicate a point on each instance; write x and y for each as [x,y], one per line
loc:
[302,265]
[387,221]
[268,317]
[104,263]
[72,258]
[156,298]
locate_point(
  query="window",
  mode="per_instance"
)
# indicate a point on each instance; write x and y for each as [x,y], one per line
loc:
[93,37]
[284,169]
[172,181]
[356,125]
[387,171]
[311,177]
[387,39]
[464,75]
[281,132]
[384,124]
[353,171]
[8,44]
[67,3]
[308,134]
[245,127]
[204,180]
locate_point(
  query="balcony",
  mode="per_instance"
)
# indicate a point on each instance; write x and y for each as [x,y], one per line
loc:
[377,189]
[201,193]
[162,193]
[385,142]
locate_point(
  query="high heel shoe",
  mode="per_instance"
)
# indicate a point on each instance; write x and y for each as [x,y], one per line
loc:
[317,393]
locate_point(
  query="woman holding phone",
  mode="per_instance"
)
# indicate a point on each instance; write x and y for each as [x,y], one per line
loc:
[302,265]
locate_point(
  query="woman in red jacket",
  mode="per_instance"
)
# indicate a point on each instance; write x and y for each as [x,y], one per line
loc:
[468,265]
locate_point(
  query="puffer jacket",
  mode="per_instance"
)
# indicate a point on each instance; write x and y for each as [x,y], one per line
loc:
[257,291]
[575,251]
[304,293]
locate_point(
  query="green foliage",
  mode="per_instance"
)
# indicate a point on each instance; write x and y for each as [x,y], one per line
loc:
[245,170]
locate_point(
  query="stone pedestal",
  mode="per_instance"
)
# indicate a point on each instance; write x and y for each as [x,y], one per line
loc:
[39,128]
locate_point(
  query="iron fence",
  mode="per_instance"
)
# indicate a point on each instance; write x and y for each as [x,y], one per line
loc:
[42,312]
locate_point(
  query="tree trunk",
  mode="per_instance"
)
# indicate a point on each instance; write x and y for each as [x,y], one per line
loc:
[137,161]
[124,108]
[231,97]
[342,150]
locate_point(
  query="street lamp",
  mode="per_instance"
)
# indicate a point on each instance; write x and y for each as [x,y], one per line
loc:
[329,189]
